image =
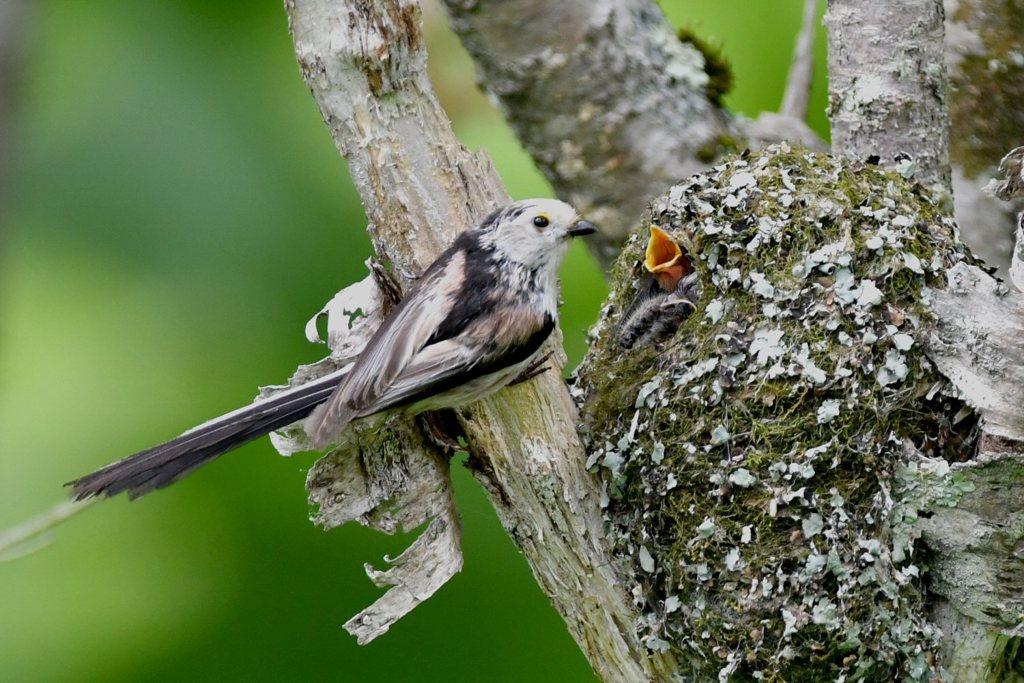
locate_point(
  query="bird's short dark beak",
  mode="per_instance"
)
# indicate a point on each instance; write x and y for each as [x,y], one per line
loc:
[580,228]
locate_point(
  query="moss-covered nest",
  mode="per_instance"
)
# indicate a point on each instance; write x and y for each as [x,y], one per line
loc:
[750,460]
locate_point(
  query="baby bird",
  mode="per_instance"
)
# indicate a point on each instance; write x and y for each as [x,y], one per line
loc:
[666,301]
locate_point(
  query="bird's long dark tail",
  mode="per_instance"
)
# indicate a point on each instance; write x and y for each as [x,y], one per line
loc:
[165,464]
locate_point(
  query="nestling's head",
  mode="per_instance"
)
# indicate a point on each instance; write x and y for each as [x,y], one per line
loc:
[534,232]
[666,260]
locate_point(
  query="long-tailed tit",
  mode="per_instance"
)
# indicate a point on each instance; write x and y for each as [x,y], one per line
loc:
[469,326]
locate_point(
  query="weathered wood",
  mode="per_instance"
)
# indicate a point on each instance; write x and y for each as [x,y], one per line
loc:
[366,67]
[978,346]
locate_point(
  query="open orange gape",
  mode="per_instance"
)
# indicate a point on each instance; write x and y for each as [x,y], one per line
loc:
[666,260]
[666,300]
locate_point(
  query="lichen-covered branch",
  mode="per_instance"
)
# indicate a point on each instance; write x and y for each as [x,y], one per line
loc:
[364,62]
[887,84]
[610,104]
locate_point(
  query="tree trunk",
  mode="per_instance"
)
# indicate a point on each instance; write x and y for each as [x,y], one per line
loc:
[887,84]
[366,67]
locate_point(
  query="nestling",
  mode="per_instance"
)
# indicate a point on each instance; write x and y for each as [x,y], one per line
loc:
[666,301]
[469,326]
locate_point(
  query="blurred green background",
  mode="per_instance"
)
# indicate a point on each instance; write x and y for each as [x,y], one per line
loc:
[178,211]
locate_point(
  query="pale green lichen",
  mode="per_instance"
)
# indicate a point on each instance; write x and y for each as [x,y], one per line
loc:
[750,460]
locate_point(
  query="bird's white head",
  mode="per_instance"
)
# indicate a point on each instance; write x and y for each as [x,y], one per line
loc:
[534,232]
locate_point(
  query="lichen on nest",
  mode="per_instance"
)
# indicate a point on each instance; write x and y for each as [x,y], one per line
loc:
[749,461]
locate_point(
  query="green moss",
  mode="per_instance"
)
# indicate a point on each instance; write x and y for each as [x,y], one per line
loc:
[804,349]
[722,145]
[716,66]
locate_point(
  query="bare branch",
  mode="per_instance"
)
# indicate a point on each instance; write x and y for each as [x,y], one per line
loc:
[888,83]
[390,479]
[789,124]
[798,85]
[612,107]
[365,65]
[986,223]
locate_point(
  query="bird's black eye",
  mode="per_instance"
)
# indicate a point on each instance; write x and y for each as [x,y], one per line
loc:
[541,221]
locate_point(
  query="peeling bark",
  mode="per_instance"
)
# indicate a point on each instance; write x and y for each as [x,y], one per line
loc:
[887,89]
[391,479]
[365,65]
[979,539]
[612,107]
[386,475]
[981,325]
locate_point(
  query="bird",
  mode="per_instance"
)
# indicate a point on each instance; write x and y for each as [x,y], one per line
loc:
[472,323]
[667,299]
